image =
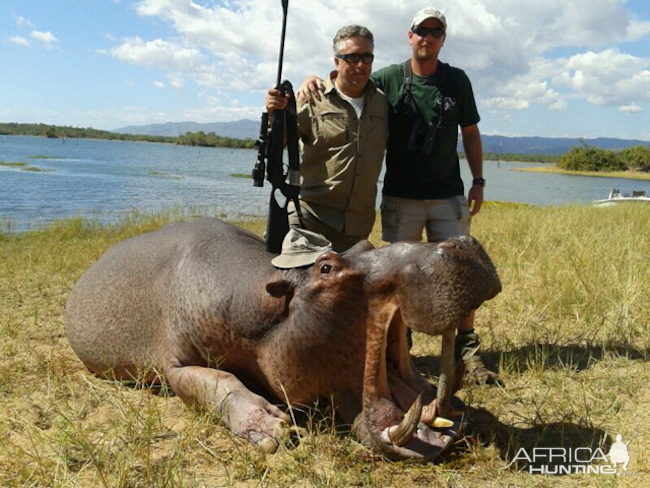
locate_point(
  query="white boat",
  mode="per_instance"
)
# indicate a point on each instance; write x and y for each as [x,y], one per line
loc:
[615,197]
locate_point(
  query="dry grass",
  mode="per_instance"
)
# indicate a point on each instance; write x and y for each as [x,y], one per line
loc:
[570,333]
[629,175]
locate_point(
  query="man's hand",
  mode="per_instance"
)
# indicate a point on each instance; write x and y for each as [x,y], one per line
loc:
[475,199]
[275,101]
[310,89]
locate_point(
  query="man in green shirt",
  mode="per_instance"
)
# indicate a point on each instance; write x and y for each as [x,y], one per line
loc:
[423,189]
[344,137]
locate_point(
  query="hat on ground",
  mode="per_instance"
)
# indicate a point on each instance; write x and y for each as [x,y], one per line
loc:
[428,13]
[301,247]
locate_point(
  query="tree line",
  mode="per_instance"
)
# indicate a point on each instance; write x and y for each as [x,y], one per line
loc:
[67,132]
[635,158]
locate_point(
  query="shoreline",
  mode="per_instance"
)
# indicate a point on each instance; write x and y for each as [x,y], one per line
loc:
[628,175]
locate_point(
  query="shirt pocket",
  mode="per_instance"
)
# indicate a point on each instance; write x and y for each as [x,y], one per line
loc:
[377,131]
[333,128]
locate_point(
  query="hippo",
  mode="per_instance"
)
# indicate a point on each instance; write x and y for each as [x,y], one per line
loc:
[199,306]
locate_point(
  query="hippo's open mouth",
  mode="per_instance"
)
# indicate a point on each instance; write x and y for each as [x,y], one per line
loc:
[399,417]
[404,416]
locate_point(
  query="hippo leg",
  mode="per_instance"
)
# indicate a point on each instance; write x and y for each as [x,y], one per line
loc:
[245,413]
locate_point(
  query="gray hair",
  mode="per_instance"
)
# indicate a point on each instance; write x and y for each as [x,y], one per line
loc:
[349,31]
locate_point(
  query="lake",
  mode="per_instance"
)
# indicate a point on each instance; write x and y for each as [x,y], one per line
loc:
[102,179]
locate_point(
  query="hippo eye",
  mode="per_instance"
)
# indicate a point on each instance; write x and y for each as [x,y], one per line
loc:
[326,268]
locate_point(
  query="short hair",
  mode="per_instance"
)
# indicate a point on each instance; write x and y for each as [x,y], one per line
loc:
[349,31]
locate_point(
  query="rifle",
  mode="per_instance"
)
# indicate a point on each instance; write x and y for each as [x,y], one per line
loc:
[270,146]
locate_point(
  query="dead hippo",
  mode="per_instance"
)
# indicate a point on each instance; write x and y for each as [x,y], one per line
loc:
[192,297]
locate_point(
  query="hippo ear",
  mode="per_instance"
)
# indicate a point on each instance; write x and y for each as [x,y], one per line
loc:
[280,288]
[358,248]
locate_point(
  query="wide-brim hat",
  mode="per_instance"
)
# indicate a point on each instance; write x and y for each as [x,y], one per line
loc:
[428,13]
[301,247]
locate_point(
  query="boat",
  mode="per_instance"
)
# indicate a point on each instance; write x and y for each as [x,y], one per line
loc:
[615,197]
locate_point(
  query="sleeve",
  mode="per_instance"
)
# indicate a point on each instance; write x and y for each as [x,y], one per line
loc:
[305,125]
[468,112]
[379,78]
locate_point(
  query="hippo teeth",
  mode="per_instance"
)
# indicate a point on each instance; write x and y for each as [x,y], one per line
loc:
[402,433]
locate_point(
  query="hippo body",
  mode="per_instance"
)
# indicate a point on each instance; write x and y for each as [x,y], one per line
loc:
[199,305]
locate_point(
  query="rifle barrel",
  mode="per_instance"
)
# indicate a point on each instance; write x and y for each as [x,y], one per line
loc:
[285,9]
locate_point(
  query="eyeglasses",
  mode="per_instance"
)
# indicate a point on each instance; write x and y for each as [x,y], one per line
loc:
[354,58]
[422,31]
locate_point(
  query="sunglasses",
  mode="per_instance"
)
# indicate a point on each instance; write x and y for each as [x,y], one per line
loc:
[436,32]
[353,58]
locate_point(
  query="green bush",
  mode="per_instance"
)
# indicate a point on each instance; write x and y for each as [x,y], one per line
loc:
[591,159]
[637,158]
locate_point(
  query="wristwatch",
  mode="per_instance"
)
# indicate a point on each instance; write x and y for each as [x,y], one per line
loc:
[479,181]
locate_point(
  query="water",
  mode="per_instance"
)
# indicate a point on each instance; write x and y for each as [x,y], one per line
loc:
[100,179]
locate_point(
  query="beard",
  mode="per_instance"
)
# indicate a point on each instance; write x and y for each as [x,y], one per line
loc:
[423,54]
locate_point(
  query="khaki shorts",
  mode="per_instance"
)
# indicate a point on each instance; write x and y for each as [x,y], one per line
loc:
[404,219]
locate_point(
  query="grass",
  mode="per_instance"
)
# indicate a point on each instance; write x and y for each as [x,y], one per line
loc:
[570,334]
[241,175]
[162,174]
[630,175]
[24,167]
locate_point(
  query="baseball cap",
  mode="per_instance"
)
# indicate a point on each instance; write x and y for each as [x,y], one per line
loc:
[428,13]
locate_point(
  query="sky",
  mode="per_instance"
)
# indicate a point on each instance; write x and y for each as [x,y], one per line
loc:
[552,68]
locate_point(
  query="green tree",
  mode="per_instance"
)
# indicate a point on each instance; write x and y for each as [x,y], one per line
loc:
[637,158]
[591,159]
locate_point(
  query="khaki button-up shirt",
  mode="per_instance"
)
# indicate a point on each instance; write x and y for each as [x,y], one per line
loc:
[342,158]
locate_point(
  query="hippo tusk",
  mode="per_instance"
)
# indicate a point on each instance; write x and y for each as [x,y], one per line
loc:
[442,423]
[268,446]
[402,433]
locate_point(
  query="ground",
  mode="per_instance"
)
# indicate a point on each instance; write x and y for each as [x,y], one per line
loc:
[570,335]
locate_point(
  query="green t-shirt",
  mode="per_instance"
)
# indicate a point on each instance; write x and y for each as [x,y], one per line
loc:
[445,101]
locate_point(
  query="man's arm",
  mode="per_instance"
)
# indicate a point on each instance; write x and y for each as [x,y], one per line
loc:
[474,156]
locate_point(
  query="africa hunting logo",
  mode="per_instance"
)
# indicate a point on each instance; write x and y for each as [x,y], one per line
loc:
[560,460]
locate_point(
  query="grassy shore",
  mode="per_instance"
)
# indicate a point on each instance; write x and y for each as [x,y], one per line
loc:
[629,175]
[570,334]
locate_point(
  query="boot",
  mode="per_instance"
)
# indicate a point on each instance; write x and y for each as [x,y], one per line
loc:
[470,368]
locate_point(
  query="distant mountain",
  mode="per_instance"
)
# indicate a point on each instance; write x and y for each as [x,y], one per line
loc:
[241,129]
[246,128]
[549,145]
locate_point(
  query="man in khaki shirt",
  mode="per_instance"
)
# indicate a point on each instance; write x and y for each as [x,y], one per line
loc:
[344,137]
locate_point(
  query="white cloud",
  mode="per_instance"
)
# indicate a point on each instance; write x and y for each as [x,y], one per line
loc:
[23,22]
[19,41]
[46,38]
[607,77]
[507,46]
[176,80]
[157,53]
[159,84]
[632,109]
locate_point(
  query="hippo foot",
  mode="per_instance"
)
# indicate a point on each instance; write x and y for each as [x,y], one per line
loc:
[260,422]
[245,413]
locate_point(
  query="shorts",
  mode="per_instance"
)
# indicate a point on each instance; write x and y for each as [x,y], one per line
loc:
[404,219]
